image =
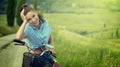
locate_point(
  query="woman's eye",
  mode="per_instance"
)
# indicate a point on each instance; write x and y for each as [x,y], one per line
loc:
[33,16]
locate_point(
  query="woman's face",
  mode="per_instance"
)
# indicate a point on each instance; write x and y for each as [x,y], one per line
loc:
[32,18]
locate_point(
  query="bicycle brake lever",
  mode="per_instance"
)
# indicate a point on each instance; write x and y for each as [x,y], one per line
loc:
[52,54]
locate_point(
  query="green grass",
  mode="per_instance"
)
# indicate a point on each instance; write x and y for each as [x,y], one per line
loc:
[96,49]
[93,24]
[3,20]
[74,50]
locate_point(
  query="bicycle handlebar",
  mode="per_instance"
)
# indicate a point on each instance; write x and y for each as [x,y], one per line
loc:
[19,42]
[48,52]
[22,43]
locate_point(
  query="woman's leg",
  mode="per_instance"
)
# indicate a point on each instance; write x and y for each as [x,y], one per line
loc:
[56,64]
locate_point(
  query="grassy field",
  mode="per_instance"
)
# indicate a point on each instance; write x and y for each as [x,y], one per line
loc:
[74,50]
[99,47]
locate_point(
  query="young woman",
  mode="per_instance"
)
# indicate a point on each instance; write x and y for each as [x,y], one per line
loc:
[36,30]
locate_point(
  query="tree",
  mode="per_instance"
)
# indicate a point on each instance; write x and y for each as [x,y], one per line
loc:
[3,6]
[11,12]
[18,18]
[36,4]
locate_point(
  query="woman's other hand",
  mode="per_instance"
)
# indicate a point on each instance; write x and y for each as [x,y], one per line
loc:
[53,51]
[23,17]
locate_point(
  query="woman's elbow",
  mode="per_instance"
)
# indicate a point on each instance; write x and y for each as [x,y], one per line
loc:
[18,38]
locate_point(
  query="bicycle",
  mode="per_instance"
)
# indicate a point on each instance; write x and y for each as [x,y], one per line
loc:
[35,60]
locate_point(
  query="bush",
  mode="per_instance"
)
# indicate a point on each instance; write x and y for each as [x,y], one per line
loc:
[4,30]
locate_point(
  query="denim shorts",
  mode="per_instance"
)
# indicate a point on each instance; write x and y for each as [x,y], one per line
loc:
[42,60]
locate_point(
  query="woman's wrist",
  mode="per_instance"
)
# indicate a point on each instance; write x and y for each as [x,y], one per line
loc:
[50,46]
[25,21]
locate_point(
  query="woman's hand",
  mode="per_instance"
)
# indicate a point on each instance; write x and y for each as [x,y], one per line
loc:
[53,52]
[23,16]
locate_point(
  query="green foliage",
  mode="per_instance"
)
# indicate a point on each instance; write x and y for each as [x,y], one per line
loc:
[4,29]
[11,12]
[3,6]
[18,18]
[36,4]
[46,5]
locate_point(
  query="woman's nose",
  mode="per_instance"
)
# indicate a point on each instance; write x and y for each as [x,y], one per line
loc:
[33,19]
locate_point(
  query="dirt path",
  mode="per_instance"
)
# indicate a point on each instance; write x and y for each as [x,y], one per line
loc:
[11,56]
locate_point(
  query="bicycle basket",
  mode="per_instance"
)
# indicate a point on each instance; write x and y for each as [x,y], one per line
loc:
[27,59]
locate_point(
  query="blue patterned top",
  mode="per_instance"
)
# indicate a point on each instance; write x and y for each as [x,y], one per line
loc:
[37,37]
